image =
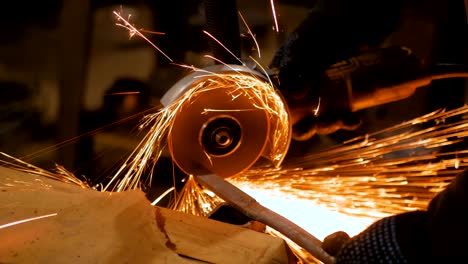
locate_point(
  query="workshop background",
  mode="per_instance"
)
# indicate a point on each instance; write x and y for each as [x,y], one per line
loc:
[68,73]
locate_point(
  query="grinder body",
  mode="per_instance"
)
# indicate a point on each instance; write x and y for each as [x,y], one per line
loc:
[224,132]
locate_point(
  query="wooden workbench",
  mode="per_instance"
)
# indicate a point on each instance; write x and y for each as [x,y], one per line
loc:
[87,226]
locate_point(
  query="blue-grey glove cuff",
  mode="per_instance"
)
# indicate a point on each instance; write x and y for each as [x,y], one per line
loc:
[401,238]
[377,244]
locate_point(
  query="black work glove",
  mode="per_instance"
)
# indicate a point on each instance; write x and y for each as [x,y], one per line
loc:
[436,235]
[334,30]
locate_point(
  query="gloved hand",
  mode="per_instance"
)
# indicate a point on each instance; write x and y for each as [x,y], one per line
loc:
[436,235]
[334,30]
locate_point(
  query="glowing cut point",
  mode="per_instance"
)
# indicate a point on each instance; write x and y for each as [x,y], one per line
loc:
[317,220]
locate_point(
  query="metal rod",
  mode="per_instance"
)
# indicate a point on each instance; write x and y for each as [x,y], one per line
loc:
[251,208]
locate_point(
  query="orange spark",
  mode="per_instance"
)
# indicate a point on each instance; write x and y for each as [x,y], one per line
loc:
[73,139]
[134,31]
[123,93]
[131,176]
[274,15]
[215,59]
[251,34]
[316,110]
[195,199]
[220,61]
[222,45]
[151,31]
[26,220]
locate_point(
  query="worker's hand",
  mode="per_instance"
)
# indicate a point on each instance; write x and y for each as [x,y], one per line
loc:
[438,234]
[335,30]
[396,239]
[310,124]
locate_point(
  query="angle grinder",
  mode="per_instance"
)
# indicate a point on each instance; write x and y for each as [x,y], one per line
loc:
[226,124]
[224,131]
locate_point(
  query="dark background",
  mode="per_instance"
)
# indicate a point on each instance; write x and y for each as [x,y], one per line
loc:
[64,63]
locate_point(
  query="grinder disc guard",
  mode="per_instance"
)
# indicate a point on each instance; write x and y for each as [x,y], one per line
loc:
[218,130]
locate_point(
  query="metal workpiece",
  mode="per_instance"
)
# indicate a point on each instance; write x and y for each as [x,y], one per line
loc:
[251,208]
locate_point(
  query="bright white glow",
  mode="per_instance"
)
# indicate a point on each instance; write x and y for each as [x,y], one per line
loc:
[26,220]
[317,220]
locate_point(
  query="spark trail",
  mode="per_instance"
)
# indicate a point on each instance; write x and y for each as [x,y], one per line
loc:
[391,171]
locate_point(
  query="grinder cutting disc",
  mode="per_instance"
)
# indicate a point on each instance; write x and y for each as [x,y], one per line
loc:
[214,132]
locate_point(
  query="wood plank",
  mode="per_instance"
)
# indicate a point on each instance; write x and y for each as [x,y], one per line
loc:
[217,242]
[86,226]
